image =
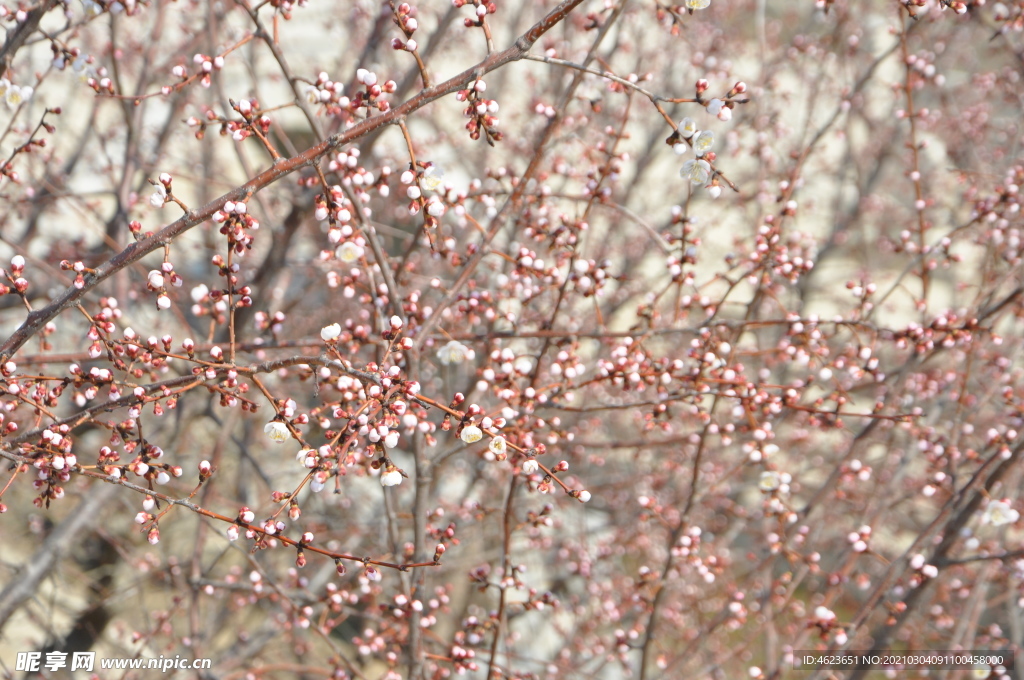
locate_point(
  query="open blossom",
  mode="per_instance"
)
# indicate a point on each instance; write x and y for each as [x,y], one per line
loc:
[697,4]
[998,513]
[498,446]
[770,481]
[432,178]
[15,96]
[330,333]
[453,353]
[159,196]
[349,252]
[697,172]
[703,142]
[688,127]
[530,466]
[277,431]
[471,434]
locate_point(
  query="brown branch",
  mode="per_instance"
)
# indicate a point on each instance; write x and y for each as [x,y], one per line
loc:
[17,39]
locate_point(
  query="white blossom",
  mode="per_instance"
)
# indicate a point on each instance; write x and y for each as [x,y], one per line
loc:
[998,513]
[688,127]
[498,446]
[703,142]
[432,178]
[159,196]
[392,477]
[16,96]
[471,434]
[530,466]
[697,172]
[349,252]
[330,333]
[453,353]
[277,431]
[770,481]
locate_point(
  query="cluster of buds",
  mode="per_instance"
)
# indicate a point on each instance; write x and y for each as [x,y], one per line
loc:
[63,56]
[721,106]
[14,277]
[101,82]
[219,298]
[480,112]
[462,659]
[327,92]
[786,257]
[251,121]
[200,124]
[405,18]
[78,267]
[337,210]
[144,467]
[483,8]
[157,281]
[425,178]
[370,97]
[162,191]
[234,221]
[205,66]
[589,276]
[923,570]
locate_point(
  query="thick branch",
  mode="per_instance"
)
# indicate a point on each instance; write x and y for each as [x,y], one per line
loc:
[20,34]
